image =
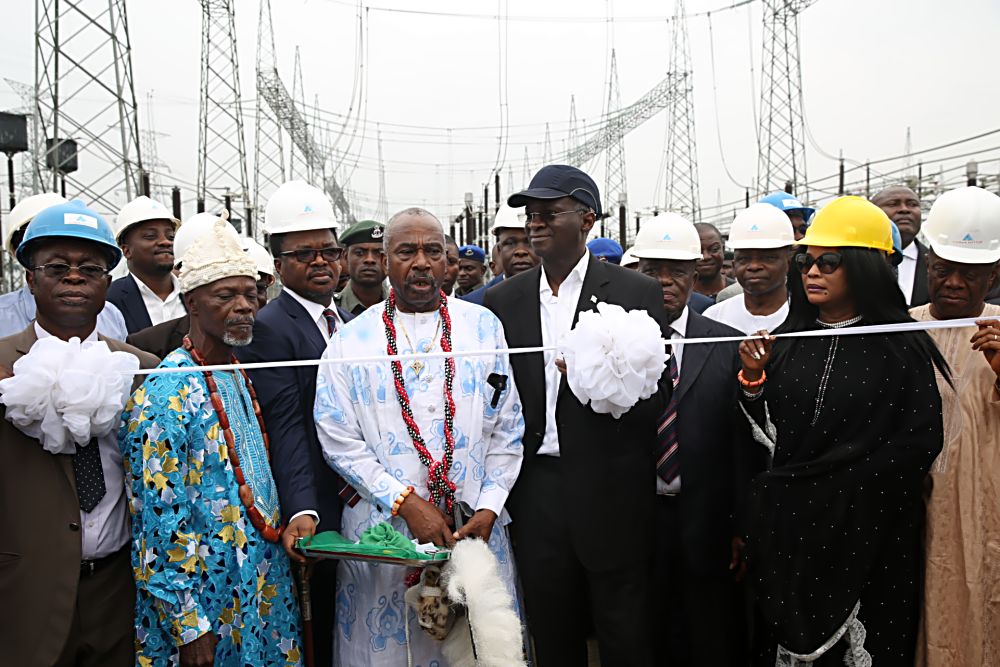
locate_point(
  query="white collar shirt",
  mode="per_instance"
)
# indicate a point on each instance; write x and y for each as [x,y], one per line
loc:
[315,311]
[103,530]
[161,310]
[557,312]
[908,271]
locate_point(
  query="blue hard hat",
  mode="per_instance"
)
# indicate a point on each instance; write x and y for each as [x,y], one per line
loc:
[70,220]
[609,249]
[788,203]
[473,253]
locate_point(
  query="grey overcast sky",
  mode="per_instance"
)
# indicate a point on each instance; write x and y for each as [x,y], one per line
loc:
[870,70]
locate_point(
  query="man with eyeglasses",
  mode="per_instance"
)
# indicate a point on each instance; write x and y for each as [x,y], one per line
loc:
[582,507]
[514,253]
[366,266]
[902,206]
[65,574]
[298,325]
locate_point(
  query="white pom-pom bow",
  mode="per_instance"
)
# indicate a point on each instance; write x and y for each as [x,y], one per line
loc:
[614,358]
[65,393]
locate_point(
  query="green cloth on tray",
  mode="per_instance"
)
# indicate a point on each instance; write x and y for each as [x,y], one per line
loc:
[379,540]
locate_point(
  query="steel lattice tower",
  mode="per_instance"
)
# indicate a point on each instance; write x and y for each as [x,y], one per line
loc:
[681,156]
[222,154]
[782,130]
[382,212]
[615,188]
[84,91]
[298,165]
[547,146]
[268,147]
[573,137]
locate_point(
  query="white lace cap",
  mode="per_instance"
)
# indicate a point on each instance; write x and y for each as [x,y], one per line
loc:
[63,393]
[614,358]
[215,256]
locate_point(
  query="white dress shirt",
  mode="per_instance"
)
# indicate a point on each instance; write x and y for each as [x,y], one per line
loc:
[315,311]
[557,319]
[679,330]
[104,530]
[161,310]
[908,271]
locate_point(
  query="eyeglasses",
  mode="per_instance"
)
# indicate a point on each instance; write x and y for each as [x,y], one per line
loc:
[59,270]
[550,216]
[308,255]
[827,263]
[802,229]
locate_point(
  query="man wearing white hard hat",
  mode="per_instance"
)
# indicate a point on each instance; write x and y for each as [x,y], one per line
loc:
[163,338]
[761,239]
[514,253]
[298,324]
[703,455]
[17,308]
[150,294]
[961,618]
[265,268]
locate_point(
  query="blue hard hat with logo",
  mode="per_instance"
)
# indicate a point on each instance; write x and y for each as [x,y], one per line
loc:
[788,203]
[72,220]
[473,253]
[605,248]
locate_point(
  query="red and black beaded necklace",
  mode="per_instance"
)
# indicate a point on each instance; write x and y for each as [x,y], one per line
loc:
[440,487]
[270,533]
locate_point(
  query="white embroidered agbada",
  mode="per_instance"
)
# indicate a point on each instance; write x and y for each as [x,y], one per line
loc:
[364,438]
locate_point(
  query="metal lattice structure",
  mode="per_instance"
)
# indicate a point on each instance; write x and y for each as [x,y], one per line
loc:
[615,182]
[84,91]
[268,146]
[573,135]
[681,154]
[547,146]
[782,130]
[382,212]
[298,165]
[154,166]
[222,155]
[26,177]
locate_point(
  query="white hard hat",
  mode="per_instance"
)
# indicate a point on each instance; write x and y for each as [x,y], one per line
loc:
[193,228]
[508,218]
[141,209]
[628,259]
[297,206]
[760,226]
[667,236]
[964,226]
[24,211]
[260,255]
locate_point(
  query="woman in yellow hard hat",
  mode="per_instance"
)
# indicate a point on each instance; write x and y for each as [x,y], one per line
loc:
[853,422]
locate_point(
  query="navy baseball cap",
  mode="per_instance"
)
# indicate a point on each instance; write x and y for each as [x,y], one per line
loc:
[555,181]
[472,252]
[609,249]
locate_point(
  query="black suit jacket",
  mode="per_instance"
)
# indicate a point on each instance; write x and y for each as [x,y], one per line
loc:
[283,330]
[163,338]
[718,456]
[124,293]
[920,294]
[607,463]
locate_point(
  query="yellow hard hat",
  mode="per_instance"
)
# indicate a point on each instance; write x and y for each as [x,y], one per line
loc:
[850,222]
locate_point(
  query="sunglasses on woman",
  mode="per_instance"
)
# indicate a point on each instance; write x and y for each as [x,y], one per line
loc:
[827,263]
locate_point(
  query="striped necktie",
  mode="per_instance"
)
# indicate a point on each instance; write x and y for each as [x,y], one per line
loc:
[331,320]
[668,459]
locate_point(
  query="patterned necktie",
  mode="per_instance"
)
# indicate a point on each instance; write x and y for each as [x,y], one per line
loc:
[667,459]
[331,320]
[89,475]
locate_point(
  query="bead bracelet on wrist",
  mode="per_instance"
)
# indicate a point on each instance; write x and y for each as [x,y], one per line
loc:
[747,383]
[399,500]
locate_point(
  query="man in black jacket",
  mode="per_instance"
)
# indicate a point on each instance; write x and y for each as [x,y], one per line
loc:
[705,459]
[582,507]
[902,206]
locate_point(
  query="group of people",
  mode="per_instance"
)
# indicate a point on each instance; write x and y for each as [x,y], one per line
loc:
[795,493]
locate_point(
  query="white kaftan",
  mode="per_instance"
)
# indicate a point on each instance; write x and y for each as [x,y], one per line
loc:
[363,436]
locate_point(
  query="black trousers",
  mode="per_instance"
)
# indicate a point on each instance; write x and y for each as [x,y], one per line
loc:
[700,619]
[323,588]
[565,600]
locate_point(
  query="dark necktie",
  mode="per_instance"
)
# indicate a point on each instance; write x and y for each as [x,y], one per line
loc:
[89,475]
[331,320]
[667,452]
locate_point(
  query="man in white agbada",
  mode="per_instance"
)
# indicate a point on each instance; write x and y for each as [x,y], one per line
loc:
[457,460]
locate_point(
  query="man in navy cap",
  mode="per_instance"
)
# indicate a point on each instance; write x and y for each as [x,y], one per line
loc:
[471,269]
[606,250]
[588,480]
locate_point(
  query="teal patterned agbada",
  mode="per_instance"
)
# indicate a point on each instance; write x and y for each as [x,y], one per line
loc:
[199,564]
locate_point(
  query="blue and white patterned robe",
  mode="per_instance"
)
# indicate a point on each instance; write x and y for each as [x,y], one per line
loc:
[363,436]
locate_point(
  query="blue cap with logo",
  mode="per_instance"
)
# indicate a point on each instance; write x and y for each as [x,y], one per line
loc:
[473,253]
[555,181]
[70,220]
[788,203]
[607,249]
